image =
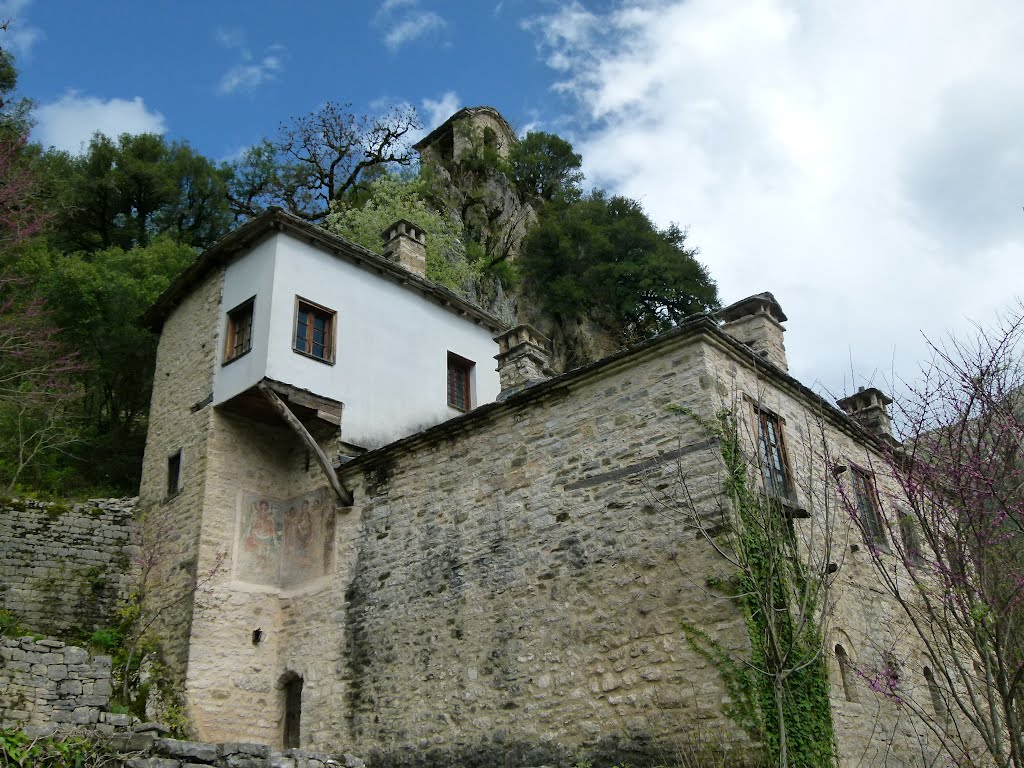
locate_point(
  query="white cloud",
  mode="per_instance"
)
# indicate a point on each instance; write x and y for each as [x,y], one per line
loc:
[404,21]
[70,122]
[250,76]
[249,73]
[864,164]
[437,111]
[20,35]
[390,5]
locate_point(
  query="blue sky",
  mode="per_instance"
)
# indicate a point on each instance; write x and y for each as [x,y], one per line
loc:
[222,79]
[863,161]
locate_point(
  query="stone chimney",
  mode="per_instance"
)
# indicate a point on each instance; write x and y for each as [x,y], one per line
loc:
[522,359]
[406,244]
[757,322]
[869,408]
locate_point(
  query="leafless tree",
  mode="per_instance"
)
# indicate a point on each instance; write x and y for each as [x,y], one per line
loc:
[324,156]
[949,545]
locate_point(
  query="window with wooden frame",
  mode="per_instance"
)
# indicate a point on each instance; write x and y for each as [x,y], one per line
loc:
[314,330]
[771,454]
[867,506]
[238,336]
[460,381]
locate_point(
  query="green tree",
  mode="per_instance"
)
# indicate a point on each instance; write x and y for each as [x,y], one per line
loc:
[545,168]
[391,197]
[603,258]
[122,193]
[98,299]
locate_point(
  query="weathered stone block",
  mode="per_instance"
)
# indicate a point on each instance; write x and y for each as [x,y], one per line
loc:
[187,750]
[230,748]
[140,742]
[153,762]
[85,715]
[57,672]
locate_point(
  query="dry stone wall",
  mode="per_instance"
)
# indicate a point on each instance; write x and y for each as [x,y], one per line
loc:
[46,681]
[64,569]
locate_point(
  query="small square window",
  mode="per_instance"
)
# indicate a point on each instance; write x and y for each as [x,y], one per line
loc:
[173,474]
[772,455]
[867,506]
[460,378]
[238,339]
[314,331]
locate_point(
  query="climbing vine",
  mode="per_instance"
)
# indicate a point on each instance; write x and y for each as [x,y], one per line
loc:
[780,692]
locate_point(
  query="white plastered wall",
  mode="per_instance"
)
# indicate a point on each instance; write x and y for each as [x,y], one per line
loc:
[246,277]
[391,350]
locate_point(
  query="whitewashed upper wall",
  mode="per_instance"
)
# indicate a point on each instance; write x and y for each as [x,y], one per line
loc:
[251,275]
[391,351]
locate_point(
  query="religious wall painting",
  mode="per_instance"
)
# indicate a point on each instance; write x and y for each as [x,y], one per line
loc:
[284,542]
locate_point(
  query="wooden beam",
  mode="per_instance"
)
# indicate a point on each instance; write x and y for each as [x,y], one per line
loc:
[344,495]
[304,398]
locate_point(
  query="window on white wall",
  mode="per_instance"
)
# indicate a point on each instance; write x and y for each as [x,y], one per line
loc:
[460,382]
[238,337]
[314,330]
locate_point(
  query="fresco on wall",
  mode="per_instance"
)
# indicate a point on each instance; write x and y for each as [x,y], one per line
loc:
[284,543]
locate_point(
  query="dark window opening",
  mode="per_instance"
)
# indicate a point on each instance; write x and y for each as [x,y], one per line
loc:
[314,331]
[867,506]
[460,376]
[772,455]
[847,674]
[490,138]
[238,339]
[173,474]
[292,711]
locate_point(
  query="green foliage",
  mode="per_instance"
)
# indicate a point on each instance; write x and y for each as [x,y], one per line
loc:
[18,750]
[391,197]
[105,640]
[98,299]
[545,168]
[786,670]
[604,258]
[123,193]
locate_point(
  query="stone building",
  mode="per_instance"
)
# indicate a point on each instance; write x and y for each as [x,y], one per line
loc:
[477,572]
[452,139]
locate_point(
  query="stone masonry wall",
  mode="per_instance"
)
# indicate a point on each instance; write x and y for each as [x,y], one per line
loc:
[234,684]
[180,417]
[46,681]
[518,586]
[63,570]
[871,729]
[508,587]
